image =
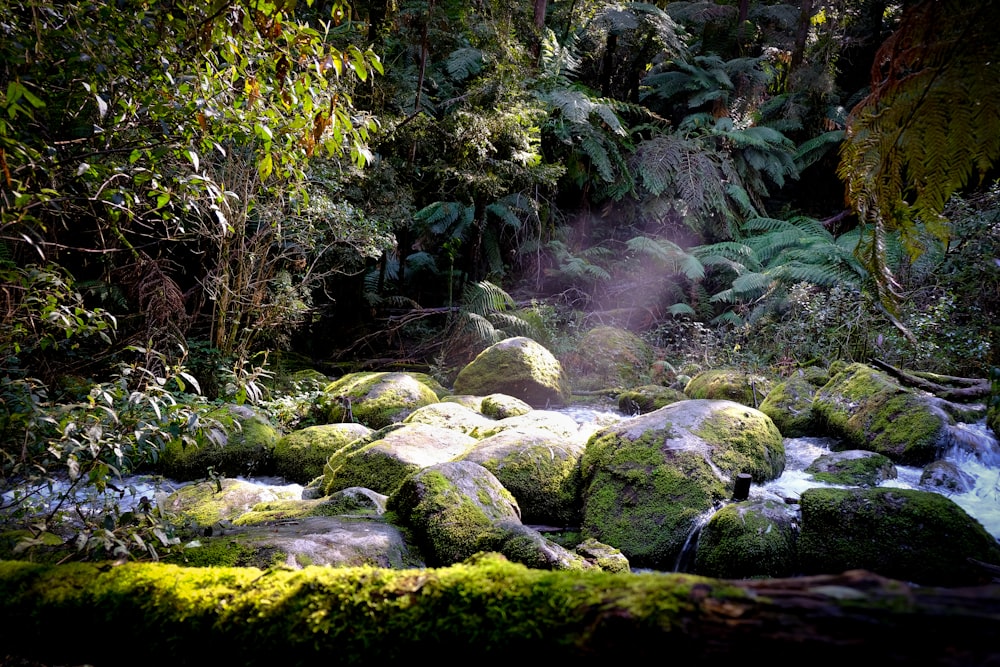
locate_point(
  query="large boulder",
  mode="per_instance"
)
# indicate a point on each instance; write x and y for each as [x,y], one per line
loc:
[916,536]
[868,410]
[755,538]
[453,510]
[243,445]
[790,406]
[608,357]
[648,480]
[204,504]
[301,455]
[541,470]
[392,455]
[458,509]
[557,423]
[377,399]
[519,367]
[453,415]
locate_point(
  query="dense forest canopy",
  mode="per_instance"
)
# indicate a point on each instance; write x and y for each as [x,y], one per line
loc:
[189,189]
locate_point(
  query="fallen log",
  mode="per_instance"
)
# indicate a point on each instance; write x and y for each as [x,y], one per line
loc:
[484,609]
[942,386]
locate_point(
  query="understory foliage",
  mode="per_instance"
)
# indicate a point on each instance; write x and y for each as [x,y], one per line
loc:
[191,191]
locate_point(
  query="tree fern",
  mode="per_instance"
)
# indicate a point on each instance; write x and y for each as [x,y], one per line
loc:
[931,121]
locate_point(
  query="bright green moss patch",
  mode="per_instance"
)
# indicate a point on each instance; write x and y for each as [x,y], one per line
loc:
[750,442]
[363,615]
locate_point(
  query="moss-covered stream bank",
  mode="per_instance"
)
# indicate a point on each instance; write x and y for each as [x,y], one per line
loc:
[157,614]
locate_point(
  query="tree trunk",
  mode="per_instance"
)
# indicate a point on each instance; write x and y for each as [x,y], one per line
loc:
[484,610]
[942,386]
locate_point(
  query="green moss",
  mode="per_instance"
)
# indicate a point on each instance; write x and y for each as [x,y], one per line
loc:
[362,615]
[744,540]
[858,471]
[219,552]
[247,450]
[301,456]
[751,443]
[731,385]
[647,398]
[518,367]
[917,536]
[870,411]
[790,407]
[377,399]
[644,500]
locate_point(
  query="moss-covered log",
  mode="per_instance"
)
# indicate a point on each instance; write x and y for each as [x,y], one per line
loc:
[155,614]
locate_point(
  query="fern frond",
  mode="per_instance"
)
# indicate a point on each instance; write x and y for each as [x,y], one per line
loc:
[463,63]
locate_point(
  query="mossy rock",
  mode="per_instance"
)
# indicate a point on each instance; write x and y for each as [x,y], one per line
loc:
[790,406]
[245,448]
[649,479]
[451,415]
[731,385]
[557,423]
[916,536]
[204,504]
[609,357]
[474,403]
[603,556]
[868,410]
[392,455]
[518,367]
[377,399]
[854,467]
[751,539]
[333,541]
[993,417]
[525,545]
[647,398]
[501,406]
[454,510]
[539,468]
[946,477]
[301,455]
[354,501]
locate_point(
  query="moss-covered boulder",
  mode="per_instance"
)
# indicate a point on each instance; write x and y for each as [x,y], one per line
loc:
[204,504]
[916,536]
[392,455]
[452,415]
[519,367]
[454,510]
[790,406]
[244,446]
[603,556]
[301,455]
[647,398]
[541,470]
[853,467]
[377,399]
[501,406]
[868,410]
[557,423]
[945,477]
[648,479]
[337,541]
[608,357]
[755,538]
[731,385]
